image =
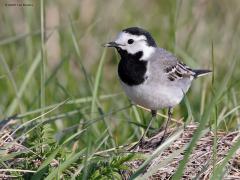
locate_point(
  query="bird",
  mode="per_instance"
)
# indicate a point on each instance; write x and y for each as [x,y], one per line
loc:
[151,76]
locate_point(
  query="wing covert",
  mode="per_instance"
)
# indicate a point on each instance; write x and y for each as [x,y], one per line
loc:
[178,71]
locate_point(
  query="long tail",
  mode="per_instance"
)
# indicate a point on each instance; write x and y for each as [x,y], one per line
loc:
[201,72]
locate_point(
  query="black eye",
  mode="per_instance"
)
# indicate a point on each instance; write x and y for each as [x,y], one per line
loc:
[130,41]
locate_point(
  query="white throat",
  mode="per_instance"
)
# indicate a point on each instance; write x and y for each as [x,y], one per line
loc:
[147,53]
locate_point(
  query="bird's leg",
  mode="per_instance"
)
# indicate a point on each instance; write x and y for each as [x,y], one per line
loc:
[165,129]
[142,139]
[154,113]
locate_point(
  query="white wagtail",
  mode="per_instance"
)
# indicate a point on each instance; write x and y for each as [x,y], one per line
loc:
[151,76]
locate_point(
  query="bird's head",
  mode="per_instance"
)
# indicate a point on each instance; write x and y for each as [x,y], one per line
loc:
[134,40]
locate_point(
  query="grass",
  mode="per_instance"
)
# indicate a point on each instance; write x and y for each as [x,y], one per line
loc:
[72,119]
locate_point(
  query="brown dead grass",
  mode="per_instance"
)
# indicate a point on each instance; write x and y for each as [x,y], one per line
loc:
[200,163]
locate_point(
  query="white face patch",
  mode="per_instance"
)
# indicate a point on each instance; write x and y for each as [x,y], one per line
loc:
[139,44]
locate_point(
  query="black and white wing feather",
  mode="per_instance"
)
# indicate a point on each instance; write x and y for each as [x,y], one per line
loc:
[176,70]
[179,71]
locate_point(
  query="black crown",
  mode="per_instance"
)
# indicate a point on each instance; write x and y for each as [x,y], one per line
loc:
[139,31]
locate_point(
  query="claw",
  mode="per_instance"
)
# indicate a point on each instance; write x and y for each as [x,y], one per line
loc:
[138,145]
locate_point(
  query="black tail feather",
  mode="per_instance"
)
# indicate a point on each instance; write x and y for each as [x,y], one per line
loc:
[201,72]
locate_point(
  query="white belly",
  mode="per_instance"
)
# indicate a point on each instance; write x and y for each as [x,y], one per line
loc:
[154,97]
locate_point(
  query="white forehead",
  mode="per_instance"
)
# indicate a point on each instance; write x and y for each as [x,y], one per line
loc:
[124,36]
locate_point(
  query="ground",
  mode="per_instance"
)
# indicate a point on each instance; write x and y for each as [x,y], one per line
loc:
[200,164]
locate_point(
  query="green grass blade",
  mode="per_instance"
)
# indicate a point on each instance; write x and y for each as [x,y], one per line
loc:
[71,159]
[34,119]
[204,119]
[219,171]
[73,136]
[77,49]
[137,117]
[48,160]
[153,169]
[12,80]
[38,174]
[43,58]
[12,107]
[158,151]
[70,102]
[96,88]
[97,81]
[189,110]
[235,109]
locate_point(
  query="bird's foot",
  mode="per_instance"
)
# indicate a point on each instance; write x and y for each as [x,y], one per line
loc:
[140,144]
[160,142]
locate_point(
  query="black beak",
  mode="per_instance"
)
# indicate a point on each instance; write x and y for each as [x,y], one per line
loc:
[111,44]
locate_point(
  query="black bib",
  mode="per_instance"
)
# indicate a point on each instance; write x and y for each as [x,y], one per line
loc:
[131,69]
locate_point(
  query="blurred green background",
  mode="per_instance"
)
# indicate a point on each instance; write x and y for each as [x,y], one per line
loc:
[74,66]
